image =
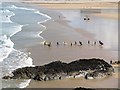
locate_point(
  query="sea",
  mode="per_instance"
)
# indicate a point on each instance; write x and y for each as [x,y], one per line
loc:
[13,19]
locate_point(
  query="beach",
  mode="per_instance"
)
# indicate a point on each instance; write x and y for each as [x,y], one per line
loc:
[64,32]
[60,28]
[74,4]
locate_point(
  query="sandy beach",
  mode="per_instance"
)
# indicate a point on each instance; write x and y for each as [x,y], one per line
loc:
[59,30]
[111,16]
[73,83]
[42,54]
[79,5]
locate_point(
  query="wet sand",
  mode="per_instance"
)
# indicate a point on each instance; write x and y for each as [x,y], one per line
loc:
[110,16]
[43,54]
[57,30]
[78,82]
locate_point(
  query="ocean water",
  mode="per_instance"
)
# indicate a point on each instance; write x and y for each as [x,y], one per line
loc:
[14,19]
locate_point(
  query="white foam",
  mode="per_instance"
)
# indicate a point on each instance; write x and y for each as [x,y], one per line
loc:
[15,83]
[24,83]
[6,15]
[6,46]
[16,59]
[39,34]
[10,58]
[18,28]
[38,12]
[15,7]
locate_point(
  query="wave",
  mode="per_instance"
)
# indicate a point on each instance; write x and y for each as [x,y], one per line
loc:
[38,12]
[6,15]
[16,59]
[24,83]
[10,58]
[15,7]
[6,46]
[7,53]
[35,11]
[15,83]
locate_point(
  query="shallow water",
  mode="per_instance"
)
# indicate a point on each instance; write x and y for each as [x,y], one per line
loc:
[13,22]
[104,29]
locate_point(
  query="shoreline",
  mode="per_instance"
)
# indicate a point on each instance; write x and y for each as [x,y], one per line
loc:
[67,53]
[82,68]
[59,30]
[55,34]
[87,5]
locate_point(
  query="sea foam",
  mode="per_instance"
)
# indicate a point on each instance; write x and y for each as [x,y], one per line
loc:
[16,59]
[38,12]
[24,83]
[15,7]
[6,15]
[10,58]
[6,46]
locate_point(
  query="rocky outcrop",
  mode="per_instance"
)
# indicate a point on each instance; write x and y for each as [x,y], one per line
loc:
[81,88]
[87,68]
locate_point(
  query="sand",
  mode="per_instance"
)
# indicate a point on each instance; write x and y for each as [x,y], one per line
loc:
[78,82]
[58,30]
[90,5]
[81,5]
[105,15]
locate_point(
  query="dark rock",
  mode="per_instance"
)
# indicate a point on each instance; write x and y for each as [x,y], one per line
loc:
[46,78]
[81,88]
[7,77]
[38,77]
[59,70]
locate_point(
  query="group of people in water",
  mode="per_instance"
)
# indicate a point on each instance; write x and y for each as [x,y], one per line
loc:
[49,44]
